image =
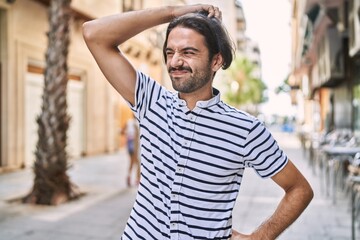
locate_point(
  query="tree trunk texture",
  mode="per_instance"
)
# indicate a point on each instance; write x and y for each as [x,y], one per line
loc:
[52,184]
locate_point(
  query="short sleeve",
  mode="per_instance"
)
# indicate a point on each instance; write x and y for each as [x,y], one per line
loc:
[146,90]
[262,151]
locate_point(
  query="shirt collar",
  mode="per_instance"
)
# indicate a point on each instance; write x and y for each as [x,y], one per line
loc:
[201,104]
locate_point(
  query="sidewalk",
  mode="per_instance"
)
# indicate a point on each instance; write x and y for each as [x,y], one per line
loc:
[102,213]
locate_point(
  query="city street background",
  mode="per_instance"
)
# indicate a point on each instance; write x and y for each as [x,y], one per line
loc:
[102,213]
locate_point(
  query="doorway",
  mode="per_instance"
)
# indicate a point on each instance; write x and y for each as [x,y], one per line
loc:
[34,82]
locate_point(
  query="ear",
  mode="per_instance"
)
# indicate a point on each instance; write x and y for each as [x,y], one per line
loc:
[217,62]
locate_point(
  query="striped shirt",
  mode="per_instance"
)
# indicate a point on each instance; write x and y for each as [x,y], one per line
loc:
[192,163]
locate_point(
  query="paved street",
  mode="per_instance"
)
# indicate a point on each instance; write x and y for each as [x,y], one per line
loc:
[101,214]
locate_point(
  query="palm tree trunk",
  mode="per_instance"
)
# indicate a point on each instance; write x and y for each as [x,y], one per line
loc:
[51,183]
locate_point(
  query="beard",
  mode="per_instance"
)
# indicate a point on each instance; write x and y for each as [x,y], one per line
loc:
[193,80]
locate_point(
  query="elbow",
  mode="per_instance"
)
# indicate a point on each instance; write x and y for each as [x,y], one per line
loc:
[302,192]
[86,31]
[310,193]
[307,193]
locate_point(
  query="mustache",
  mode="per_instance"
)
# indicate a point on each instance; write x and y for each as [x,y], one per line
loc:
[180,69]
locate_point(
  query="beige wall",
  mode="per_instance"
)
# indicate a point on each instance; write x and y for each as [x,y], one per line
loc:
[96,8]
[26,43]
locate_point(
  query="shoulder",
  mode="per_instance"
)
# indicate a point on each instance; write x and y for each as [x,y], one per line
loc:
[236,115]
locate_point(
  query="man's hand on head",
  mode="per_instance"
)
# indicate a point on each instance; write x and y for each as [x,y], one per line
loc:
[211,10]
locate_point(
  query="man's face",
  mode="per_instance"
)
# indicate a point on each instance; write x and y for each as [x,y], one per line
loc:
[187,60]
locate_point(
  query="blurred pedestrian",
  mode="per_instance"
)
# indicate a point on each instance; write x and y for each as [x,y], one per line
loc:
[132,144]
[194,147]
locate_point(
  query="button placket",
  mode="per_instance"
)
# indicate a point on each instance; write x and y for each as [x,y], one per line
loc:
[178,178]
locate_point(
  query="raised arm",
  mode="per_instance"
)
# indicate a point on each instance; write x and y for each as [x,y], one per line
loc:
[104,35]
[298,195]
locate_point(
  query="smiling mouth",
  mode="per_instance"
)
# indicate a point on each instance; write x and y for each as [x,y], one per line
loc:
[180,70]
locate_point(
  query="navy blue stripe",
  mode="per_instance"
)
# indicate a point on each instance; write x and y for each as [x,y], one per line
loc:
[260,153]
[202,237]
[202,218]
[220,121]
[219,157]
[137,235]
[275,170]
[141,86]
[207,163]
[127,235]
[160,149]
[150,203]
[259,145]
[208,172]
[158,159]
[223,139]
[156,168]
[267,157]
[202,228]
[155,186]
[255,138]
[234,110]
[219,147]
[205,191]
[207,182]
[154,197]
[140,226]
[223,210]
[146,208]
[207,199]
[146,229]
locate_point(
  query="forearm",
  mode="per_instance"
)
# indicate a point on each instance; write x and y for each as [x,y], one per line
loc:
[291,206]
[116,29]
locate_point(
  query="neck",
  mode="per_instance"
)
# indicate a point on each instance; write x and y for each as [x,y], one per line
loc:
[192,98]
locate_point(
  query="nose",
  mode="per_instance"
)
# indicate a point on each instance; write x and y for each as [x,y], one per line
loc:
[176,60]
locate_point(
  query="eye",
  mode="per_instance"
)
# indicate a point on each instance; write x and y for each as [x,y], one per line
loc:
[188,53]
[169,53]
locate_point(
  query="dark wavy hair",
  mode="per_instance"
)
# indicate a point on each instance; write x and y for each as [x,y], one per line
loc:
[216,37]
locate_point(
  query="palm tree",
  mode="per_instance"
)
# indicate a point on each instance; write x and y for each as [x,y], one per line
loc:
[243,89]
[52,185]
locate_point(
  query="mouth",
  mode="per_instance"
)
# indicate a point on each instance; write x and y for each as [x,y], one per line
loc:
[179,71]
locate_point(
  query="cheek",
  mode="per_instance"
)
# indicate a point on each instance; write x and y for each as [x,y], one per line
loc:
[167,63]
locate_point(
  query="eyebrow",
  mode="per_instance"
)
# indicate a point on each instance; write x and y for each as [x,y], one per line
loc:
[184,49]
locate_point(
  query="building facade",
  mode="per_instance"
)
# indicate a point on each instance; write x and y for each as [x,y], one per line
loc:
[95,108]
[325,63]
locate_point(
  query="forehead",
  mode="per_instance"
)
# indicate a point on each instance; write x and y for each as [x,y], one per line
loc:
[181,37]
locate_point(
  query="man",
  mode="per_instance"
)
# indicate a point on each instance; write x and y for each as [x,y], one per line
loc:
[194,147]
